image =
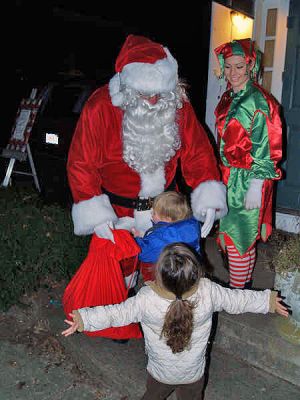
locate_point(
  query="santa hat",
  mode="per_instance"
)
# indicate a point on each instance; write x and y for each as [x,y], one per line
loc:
[243,47]
[145,66]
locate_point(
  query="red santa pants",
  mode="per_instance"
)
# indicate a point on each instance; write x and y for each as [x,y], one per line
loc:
[147,270]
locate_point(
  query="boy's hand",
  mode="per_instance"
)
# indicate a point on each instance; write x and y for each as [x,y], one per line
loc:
[136,233]
[280,308]
[74,325]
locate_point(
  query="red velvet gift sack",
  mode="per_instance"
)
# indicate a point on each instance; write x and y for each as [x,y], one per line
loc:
[99,281]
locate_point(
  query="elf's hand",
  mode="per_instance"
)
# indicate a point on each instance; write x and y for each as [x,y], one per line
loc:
[254,194]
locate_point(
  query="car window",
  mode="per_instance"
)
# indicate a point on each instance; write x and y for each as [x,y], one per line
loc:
[65,101]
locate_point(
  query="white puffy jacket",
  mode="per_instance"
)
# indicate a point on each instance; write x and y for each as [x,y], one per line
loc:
[149,307]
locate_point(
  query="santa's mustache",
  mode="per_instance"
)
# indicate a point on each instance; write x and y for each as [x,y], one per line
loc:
[133,99]
[146,115]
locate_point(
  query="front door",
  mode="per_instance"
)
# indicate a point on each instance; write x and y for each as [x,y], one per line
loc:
[288,192]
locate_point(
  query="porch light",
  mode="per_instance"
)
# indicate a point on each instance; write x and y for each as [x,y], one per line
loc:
[240,21]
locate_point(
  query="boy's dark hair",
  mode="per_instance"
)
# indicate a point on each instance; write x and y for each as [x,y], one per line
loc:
[178,270]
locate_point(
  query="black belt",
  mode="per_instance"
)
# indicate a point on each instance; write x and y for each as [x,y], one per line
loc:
[138,203]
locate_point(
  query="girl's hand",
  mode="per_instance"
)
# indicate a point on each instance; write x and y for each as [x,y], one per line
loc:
[280,308]
[74,325]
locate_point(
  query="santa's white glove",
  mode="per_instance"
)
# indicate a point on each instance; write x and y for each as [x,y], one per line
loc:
[143,220]
[125,223]
[254,193]
[209,214]
[104,231]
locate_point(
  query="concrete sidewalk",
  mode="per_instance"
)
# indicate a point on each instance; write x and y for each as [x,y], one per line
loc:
[104,370]
[117,372]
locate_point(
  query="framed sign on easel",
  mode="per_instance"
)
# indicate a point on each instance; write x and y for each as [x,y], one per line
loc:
[18,148]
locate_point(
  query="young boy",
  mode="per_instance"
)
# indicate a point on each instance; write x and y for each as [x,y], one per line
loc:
[172,222]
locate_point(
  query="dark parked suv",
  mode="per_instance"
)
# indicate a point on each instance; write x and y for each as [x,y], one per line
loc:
[52,134]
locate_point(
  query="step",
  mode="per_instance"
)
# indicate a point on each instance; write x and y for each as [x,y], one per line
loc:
[254,339]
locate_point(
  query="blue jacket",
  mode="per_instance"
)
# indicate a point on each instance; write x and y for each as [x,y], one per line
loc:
[187,231]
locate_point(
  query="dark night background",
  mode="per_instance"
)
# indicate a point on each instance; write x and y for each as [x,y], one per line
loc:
[51,36]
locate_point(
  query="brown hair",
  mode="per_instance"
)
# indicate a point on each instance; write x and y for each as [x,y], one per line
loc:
[172,205]
[178,270]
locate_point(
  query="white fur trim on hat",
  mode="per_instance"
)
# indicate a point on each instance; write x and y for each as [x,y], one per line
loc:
[117,97]
[87,214]
[209,194]
[147,78]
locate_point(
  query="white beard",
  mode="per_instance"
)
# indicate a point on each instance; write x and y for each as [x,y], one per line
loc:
[150,132]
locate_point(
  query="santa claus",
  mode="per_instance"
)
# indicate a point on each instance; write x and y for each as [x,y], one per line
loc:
[128,141]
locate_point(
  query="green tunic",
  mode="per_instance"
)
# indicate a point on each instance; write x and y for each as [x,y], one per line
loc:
[249,133]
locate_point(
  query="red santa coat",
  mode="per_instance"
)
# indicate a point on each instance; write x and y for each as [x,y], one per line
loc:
[96,160]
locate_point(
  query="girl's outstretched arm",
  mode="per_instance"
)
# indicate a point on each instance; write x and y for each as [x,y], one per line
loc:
[114,315]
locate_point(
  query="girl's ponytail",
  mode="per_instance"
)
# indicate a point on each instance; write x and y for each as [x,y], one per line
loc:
[178,325]
[178,270]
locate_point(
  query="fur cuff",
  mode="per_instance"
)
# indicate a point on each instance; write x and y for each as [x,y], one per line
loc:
[78,319]
[89,213]
[272,301]
[209,194]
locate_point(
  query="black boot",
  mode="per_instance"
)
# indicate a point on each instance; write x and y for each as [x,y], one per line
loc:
[248,285]
[131,292]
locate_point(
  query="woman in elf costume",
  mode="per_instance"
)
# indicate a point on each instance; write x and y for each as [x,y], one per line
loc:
[250,145]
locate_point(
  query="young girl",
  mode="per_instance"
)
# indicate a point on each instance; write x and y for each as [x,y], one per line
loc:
[175,312]
[172,222]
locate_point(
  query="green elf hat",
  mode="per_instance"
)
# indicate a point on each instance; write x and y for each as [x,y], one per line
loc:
[243,47]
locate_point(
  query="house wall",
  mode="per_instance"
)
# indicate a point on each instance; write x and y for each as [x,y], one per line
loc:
[259,35]
[285,222]
[222,30]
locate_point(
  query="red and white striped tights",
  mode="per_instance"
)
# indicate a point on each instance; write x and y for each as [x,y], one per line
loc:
[240,268]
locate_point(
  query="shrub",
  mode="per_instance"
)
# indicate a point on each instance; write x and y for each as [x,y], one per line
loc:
[286,255]
[37,241]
